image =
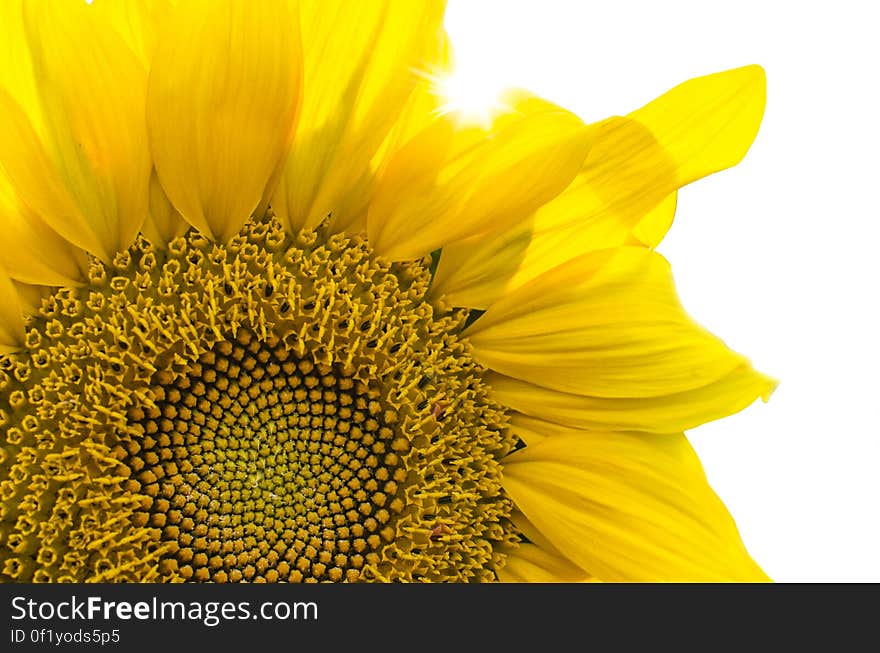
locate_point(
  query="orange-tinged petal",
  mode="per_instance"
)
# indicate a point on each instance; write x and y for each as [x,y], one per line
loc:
[92,90]
[34,178]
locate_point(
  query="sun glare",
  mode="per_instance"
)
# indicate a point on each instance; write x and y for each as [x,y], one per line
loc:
[475,98]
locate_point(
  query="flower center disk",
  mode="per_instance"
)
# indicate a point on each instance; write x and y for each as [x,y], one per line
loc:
[266,467]
[275,409]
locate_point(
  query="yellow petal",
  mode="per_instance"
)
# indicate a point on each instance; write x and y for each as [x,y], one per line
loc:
[16,72]
[606,324]
[136,21]
[532,534]
[362,60]
[31,296]
[625,175]
[451,182]
[475,271]
[531,564]
[91,89]
[222,102]
[651,229]
[421,109]
[662,414]
[164,223]
[11,320]
[629,507]
[35,180]
[533,430]
[31,251]
[707,124]
[425,103]
[139,22]
[624,193]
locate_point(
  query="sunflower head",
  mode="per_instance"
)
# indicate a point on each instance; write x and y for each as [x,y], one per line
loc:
[271,313]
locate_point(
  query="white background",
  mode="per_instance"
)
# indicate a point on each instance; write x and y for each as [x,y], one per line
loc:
[778,255]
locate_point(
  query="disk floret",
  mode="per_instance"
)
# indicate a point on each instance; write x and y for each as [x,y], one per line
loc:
[279,408]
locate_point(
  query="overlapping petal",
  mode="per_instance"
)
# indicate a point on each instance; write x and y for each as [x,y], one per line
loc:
[628,507]
[16,71]
[606,324]
[539,561]
[362,61]
[532,564]
[30,250]
[652,227]
[164,222]
[532,430]
[424,104]
[139,22]
[31,296]
[625,192]
[11,322]
[585,340]
[223,97]
[708,123]
[74,139]
[662,414]
[73,154]
[451,182]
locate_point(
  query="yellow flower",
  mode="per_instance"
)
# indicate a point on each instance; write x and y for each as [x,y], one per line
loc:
[269,313]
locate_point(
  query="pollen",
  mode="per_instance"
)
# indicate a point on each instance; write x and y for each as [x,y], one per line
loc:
[281,408]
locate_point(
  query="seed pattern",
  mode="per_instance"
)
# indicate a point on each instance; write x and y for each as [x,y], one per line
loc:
[263,467]
[280,408]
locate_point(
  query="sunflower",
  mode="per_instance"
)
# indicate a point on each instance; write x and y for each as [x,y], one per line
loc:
[270,312]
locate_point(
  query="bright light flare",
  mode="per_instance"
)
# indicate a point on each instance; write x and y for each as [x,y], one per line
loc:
[474,97]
